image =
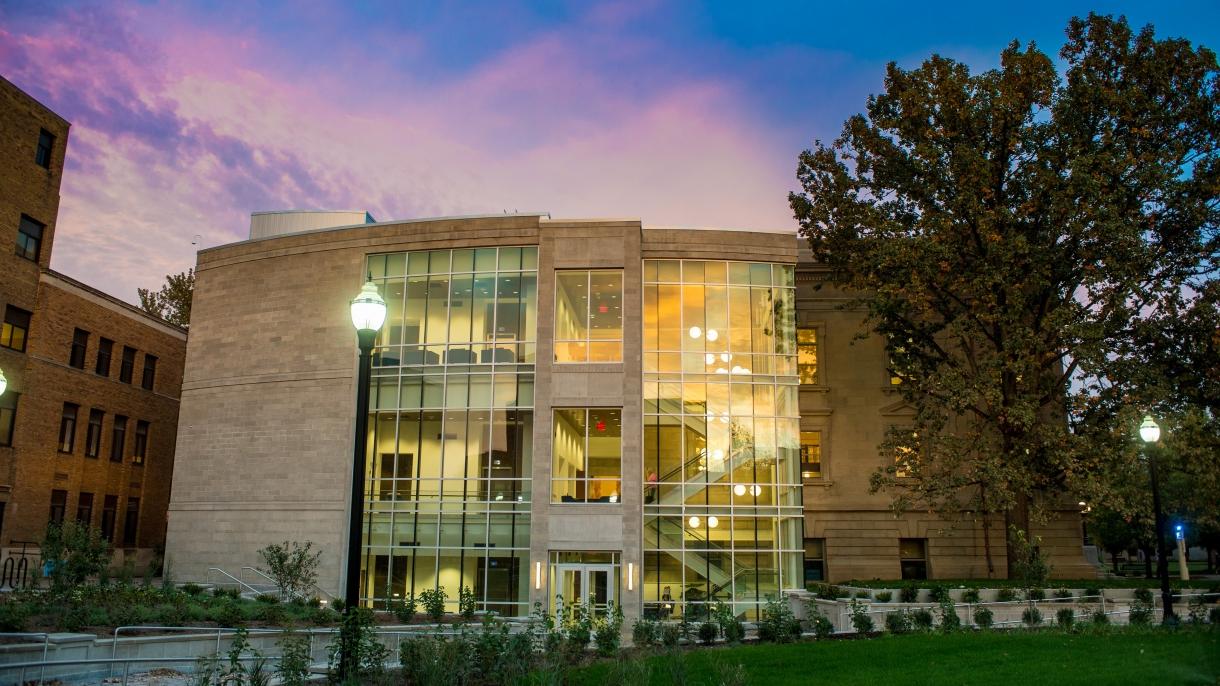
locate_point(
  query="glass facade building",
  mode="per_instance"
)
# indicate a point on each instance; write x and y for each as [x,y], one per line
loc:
[722,505]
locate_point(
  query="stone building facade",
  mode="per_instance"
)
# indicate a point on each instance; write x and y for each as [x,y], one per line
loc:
[558,407]
[89,418]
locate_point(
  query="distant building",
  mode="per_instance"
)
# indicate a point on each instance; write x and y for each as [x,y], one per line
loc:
[657,416]
[89,418]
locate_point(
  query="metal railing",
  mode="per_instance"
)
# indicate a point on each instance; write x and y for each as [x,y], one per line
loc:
[232,580]
[46,646]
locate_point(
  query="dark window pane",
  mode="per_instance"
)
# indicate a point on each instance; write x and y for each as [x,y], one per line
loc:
[29,238]
[93,437]
[46,145]
[67,428]
[150,372]
[110,512]
[105,347]
[118,438]
[131,521]
[59,504]
[141,447]
[84,509]
[16,328]
[128,364]
[80,346]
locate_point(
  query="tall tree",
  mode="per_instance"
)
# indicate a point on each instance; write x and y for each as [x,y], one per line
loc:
[173,302]
[1005,228]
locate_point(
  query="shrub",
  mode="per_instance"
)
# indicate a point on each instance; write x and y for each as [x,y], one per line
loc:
[1213,616]
[1100,618]
[898,622]
[228,613]
[1195,611]
[192,590]
[1035,594]
[922,619]
[884,596]
[293,667]
[939,593]
[72,553]
[862,595]
[831,592]
[433,600]
[1065,617]
[949,621]
[14,615]
[818,622]
[1006,595]
[983,617]
[1092,594]
[909,593]
[1063,595]
[293,566]
[607,630]
[1141,613]
[730,626]
[645,632]
[267,598]
[466,603]
[670,635]
[404,608]
[1032,616]
[708,632]
[356,631]
[860,619]
[970,595]
[321,616]
[1143,595]
[271,613]
[778,624]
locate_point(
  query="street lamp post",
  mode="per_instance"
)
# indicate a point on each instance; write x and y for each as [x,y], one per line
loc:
[1151,433]
[368,314]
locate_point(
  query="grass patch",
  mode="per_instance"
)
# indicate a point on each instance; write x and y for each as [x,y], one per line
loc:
[1117,656]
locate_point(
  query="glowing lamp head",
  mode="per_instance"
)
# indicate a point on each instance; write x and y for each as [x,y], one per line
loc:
[3,382]
[1149,431]
[368,309]
[712,522]
[695,332]
[739,490]
[694,522]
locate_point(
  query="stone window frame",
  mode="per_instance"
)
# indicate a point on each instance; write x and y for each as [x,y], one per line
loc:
[15,319]
[68,420]
[105,354]
[148,378]
[29,238]
[93,433]
[139,451]
[80,349]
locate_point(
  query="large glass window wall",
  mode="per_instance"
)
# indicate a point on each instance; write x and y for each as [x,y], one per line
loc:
[722,513]
[451,426]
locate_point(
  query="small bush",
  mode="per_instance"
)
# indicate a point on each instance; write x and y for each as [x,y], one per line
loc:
[820,624]
[293,667]
[862,595]
[1099,618]
[831,592]
[708,632]
[228,613]
[898,622]
[983,617]
[671,634]
[192,590]
[909,593]
[1092,594]
[939,593]
[293,566]
[730,625]
[607,630]
[1035,594]
[269,598]
[433,600]
[860,619]
[922,619]
[645,632]
[466,603]
[14,616]
[1065,617]
[73,553]
[1006,595]
[1141,613]
[884,596]
[949,621]
[1032,617]
[970,595]
[1063,595]
[1143,595]
[778,624]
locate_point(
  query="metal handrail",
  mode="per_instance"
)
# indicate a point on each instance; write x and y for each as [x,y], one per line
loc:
[316,588]
[237,581]
[46,645]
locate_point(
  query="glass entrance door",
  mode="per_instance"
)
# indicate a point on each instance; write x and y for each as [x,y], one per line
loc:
[585,583]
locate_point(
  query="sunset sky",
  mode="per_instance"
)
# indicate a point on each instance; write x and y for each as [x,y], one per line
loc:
[187,117]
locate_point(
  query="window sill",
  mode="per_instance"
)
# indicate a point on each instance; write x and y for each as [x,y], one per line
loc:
[814,388]
[817,482]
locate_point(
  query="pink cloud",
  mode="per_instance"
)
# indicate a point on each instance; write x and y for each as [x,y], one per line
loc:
[184,130]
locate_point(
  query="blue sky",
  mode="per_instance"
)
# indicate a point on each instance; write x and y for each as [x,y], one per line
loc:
[189,116]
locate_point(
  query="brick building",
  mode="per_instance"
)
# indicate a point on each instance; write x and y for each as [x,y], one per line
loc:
[89,417]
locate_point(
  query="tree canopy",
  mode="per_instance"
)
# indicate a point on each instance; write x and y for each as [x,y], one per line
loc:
[173,302]
[1012,234]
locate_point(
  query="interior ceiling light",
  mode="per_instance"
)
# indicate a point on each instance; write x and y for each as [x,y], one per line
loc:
[693,521]
[712,335]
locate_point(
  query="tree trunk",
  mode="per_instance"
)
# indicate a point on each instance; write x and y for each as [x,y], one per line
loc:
[1016,518]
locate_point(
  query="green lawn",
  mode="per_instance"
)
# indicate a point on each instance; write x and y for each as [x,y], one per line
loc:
[1149,656]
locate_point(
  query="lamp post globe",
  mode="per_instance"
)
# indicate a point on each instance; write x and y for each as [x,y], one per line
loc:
[3,382]
[1149,430]
[368,311]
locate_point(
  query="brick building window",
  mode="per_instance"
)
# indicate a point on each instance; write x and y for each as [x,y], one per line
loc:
[16,328]
[59,505]
[128,365]
[80,346]
[141,447]
[131,522]
[118,438]
[84,509]
[67,428]
[807,355]
[8,417]
[913,557]
[150,372]
[29,238]
[105,347]
[46,146]
[811,454]
[815,560]
[93,433]
[110,513]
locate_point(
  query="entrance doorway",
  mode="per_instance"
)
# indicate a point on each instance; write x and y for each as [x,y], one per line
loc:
[584,577]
